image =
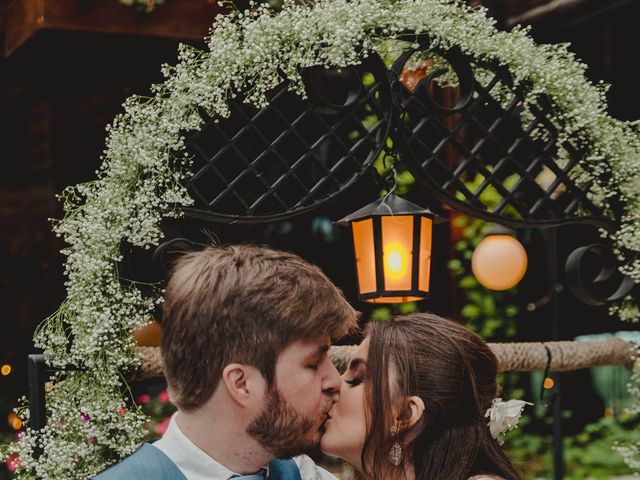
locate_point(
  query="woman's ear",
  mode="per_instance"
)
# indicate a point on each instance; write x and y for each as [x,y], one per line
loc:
[413,412]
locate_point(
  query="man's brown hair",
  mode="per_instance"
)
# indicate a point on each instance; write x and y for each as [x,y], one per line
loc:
[244,304]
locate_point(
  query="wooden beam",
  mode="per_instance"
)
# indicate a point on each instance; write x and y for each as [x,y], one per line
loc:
[176,19]
[567,12]
[552,8]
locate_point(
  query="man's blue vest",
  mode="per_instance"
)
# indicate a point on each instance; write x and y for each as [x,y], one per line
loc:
[150,463]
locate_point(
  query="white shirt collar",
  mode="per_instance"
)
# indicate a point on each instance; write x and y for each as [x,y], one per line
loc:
[190,460]
[197,465]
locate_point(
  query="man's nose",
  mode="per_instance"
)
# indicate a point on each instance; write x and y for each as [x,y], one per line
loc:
[333,381]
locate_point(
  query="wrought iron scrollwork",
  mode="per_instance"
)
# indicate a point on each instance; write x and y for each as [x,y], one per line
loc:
[297,154]
[483,136]
[593,276]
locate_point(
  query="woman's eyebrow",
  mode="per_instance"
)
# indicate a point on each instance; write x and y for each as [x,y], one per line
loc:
[355,362]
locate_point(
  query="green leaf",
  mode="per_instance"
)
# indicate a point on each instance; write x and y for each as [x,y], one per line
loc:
[381,314]
[454,265]
[468,281]
[476,297]
[470,311]
[405,178]
[511,310]
[460,221]
[368,79]
[488,305]
[405,308]
[469,232]
[461,245]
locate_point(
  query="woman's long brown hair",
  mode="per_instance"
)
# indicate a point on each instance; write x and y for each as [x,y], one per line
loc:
[454,373]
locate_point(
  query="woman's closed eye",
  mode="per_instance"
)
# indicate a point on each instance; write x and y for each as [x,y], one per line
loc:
[357,371]
[354,382]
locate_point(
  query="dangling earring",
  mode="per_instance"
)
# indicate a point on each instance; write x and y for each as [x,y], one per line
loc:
[395,455]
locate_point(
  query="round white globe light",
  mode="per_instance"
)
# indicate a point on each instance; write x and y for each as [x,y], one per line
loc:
[499,262]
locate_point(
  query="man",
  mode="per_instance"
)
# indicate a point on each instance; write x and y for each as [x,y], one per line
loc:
[246,333]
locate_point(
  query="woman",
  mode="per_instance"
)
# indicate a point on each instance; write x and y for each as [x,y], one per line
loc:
[413,404]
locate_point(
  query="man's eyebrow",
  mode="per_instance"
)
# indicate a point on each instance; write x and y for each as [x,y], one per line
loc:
[319,351]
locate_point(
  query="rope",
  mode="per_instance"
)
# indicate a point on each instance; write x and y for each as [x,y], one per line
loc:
[518,357]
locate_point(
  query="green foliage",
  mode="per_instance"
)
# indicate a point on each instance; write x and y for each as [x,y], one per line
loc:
[385,313]
[588,455]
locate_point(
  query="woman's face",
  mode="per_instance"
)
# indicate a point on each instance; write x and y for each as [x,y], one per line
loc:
[346,429]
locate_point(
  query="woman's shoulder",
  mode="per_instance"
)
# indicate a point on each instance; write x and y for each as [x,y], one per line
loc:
[485,477]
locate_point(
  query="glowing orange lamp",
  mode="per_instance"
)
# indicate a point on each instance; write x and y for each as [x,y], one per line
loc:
[392,246]
[499,261]
[148,335]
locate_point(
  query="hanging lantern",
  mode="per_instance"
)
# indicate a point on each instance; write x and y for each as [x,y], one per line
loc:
[392,246]
[499,261]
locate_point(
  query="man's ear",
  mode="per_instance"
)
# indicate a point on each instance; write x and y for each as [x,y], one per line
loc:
[413,412]
[244,383]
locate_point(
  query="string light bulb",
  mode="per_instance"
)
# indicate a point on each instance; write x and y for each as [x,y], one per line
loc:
[499,261]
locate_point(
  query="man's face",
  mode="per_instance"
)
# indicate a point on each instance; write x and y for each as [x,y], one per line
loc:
[306,387]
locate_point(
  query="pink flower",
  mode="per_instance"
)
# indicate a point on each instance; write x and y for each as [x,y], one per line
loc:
[85,418]
[163,396]
[13,462]
[161,428]
[144,399]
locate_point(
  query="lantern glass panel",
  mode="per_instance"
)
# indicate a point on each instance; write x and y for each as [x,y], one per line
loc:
[426,229]
[397,249]
[365,255]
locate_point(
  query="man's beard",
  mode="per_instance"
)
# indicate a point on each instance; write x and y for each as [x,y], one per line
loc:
[281,430]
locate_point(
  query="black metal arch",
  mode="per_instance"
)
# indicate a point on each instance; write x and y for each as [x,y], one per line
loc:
[296,155]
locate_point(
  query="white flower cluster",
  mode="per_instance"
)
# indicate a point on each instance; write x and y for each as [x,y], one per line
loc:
[139,183]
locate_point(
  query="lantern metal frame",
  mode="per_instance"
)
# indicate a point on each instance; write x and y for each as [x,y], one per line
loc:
[392,205]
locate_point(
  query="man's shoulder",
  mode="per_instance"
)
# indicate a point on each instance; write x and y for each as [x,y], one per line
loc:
[310,471]
[145,463]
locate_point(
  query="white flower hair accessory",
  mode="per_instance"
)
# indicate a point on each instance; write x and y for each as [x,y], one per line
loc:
[504,416]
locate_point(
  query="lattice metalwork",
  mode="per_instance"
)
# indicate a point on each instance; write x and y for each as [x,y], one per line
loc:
[480,140]
[294,154]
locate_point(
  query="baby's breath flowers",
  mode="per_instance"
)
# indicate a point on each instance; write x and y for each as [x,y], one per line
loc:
[91,422]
